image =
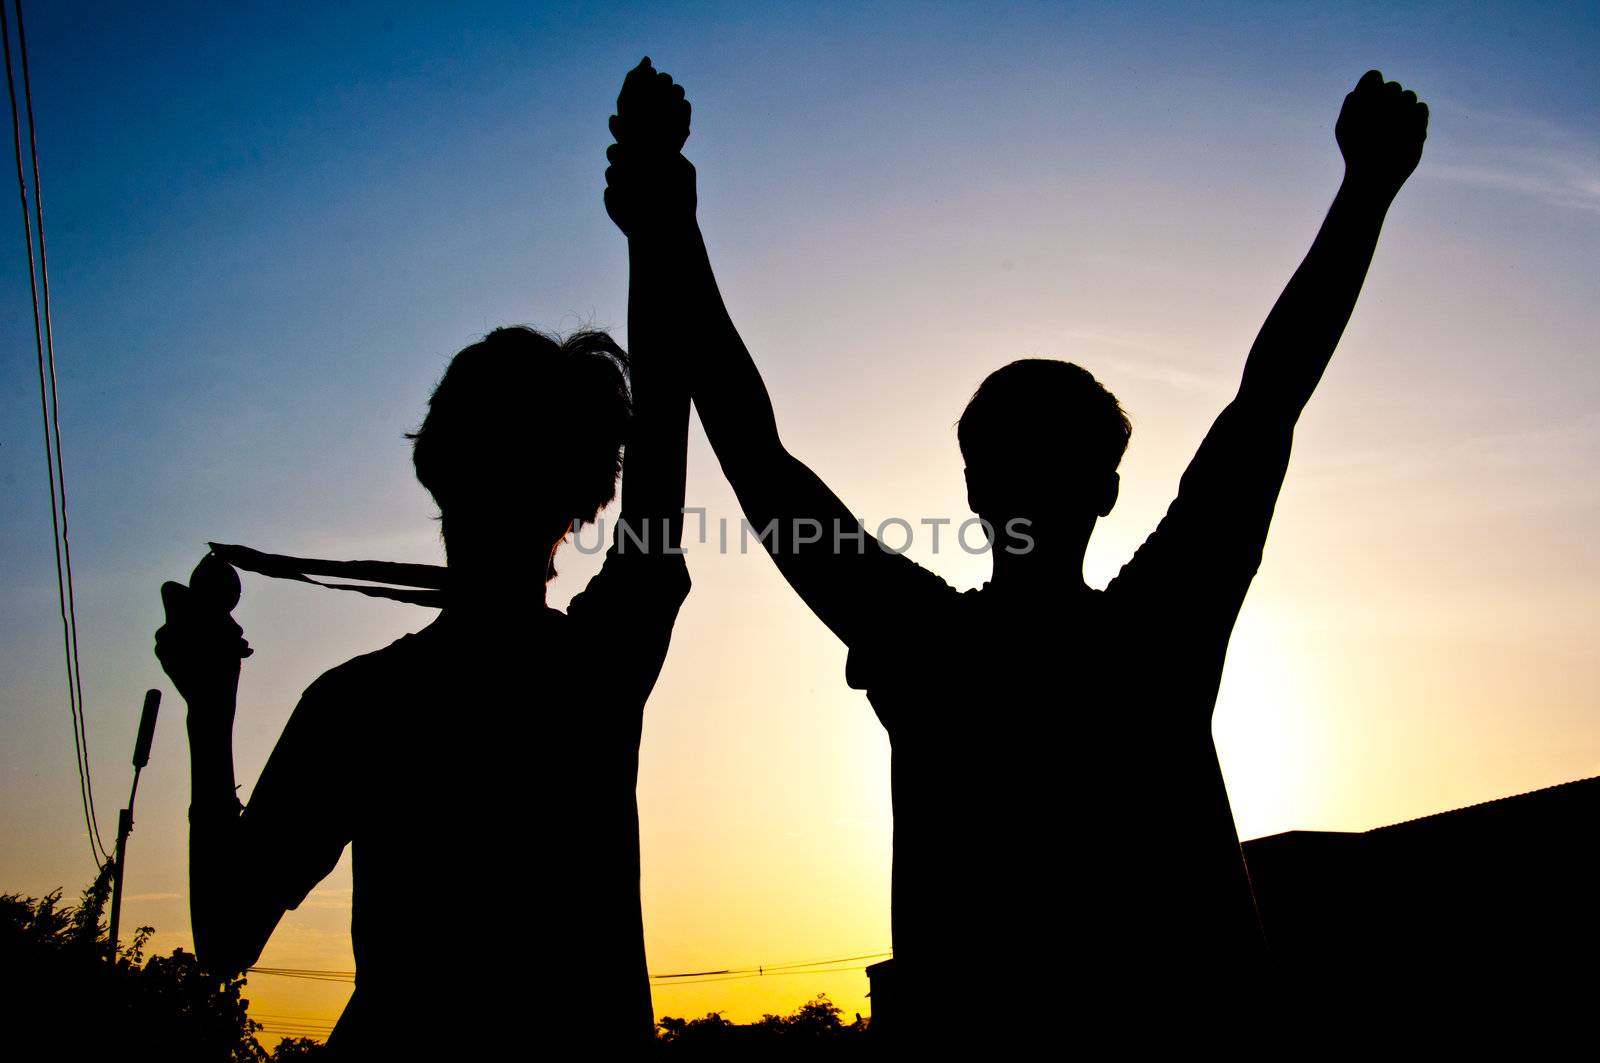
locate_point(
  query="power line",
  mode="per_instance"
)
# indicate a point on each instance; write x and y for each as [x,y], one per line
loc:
[272,1016]
[315,976]
[827,966]
[304,1025]
[769,973]
[55,416]
[759,968]
[282,1029]
[307,1023]
[50,412]
[816,963]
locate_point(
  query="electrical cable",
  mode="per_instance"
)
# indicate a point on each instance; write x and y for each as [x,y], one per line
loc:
[50,413]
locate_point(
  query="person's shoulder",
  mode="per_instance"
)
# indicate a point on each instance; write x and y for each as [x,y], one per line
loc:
[386,664]
[666,569]
[647,580]
[901,640]
[668,565]
[916,598]
[1133,582]
[912,585]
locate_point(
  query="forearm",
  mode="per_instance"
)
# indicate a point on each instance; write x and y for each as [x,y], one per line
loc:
[653,477]
[1298,339]
[211,778]
[795,515]
[729,394]
[213,878]
[650,193]
[215,845]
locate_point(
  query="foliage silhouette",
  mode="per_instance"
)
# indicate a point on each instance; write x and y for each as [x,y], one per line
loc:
[299,1048]
[60,986]
[816,1024]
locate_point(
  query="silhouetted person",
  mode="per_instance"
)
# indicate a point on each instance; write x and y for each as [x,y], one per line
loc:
[1062,836]
[484,768]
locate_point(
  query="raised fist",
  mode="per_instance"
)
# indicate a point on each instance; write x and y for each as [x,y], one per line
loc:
[1380,131]
[649,183]
[652,113]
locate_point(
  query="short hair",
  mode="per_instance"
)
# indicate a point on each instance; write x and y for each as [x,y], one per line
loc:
[517,391]
[1036,405]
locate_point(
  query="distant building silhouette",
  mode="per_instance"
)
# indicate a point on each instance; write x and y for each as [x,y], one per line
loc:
[882,992]
[1468,895]
[1479,921]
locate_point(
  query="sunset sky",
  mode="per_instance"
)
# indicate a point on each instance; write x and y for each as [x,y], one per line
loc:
[271,225]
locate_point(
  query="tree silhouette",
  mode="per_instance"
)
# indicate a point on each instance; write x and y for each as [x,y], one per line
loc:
[60,986]
[817,1023]
[298,1048]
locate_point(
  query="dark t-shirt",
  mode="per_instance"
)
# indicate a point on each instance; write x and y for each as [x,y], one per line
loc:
[485,776]
[1058,802]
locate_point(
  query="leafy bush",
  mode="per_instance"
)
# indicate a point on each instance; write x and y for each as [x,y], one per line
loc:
[815,1024]
[61,987]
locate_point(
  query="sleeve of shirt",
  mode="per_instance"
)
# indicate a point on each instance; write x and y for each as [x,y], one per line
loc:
[300,814]
[632,604]
[1196,567]
[896,637]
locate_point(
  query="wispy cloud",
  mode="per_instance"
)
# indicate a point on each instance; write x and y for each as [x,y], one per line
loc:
[153,897]
[1121,353]
[1559,182]
[1537,446]
[328,897]
[1520,153]
[1551,460]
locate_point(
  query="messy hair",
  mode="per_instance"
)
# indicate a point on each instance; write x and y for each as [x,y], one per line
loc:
[519,390]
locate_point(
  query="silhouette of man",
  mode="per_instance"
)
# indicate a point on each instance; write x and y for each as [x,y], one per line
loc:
[1057,797]
[484,768]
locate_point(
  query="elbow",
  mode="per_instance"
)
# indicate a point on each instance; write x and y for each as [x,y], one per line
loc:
[1266,415]
[230,928]
[753,460]
[222,953]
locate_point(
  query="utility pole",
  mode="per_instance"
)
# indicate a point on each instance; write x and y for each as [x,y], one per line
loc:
[141,757]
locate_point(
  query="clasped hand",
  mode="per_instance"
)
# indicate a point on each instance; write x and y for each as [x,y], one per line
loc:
[649,183]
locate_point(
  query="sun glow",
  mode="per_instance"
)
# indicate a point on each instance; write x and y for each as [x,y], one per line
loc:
[1266,725]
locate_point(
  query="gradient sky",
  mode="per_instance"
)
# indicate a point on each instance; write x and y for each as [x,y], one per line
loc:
[270,228]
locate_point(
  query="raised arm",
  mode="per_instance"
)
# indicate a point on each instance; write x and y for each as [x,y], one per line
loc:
[653,474]
[201,648]
[651,196]
[249,865]
[1211,538]
[1380,131]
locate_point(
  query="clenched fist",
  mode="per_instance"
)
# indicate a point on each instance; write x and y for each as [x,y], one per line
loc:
[1380,131]
[652,112]
[649,182]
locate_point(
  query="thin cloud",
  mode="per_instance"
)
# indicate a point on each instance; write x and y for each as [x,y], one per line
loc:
[1558,182]
[328,897]
[1542,458]
[1525,154]
[1151,363]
